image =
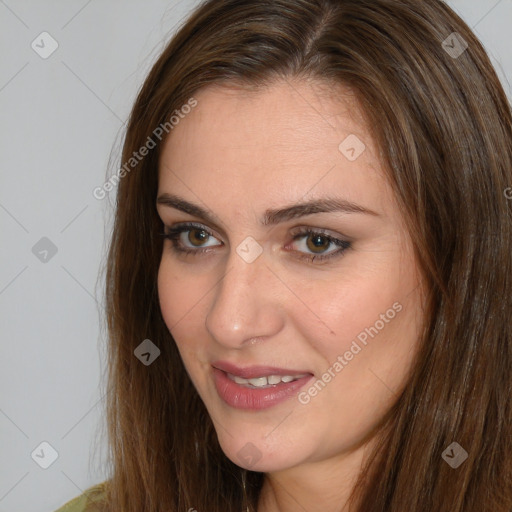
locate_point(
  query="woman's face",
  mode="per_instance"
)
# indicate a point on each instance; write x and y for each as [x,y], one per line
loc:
[327,341]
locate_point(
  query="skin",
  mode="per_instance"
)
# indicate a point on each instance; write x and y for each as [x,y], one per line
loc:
[237,154]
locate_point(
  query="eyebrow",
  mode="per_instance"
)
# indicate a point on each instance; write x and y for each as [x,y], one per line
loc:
[271,217]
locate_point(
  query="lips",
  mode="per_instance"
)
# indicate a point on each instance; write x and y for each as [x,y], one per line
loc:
[257,387]
[253,372]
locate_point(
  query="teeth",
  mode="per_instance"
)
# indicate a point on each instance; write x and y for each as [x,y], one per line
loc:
[274,379]
[261,382]
[258,382]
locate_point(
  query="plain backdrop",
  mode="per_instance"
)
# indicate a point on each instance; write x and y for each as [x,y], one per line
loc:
[62,118]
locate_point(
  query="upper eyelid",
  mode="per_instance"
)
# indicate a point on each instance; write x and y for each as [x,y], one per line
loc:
[297,231]
[187,226]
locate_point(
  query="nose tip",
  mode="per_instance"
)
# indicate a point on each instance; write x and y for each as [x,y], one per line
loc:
[244,309]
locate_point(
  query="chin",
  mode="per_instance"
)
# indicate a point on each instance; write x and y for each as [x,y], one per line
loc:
[255,456]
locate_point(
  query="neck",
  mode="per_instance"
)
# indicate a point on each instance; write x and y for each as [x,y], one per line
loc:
[323,486]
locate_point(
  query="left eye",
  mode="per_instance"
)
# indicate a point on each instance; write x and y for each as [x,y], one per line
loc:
[318,243]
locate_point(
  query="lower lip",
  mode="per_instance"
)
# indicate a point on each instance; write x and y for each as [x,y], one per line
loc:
[242,397]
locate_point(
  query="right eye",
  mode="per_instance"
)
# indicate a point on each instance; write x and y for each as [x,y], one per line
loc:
[195,234]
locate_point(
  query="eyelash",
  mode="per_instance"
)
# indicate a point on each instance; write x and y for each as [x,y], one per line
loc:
[173,234]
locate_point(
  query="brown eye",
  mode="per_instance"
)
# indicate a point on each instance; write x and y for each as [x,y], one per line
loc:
[197,236]
[318,243]
[190,239]
[315,245]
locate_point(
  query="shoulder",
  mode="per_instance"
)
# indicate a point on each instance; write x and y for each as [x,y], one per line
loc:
[86,501]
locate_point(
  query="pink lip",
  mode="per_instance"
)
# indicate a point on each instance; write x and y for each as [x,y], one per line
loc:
[251,372]
[242,397]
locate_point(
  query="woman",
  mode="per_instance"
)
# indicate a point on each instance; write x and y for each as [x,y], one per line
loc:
[309,278]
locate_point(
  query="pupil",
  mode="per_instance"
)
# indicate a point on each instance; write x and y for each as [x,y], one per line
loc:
[198,238]
[319,242]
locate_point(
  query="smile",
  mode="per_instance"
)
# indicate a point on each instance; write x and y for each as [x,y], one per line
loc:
[256,387]
[265,381]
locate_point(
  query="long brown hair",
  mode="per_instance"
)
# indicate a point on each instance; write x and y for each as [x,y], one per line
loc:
[443,125]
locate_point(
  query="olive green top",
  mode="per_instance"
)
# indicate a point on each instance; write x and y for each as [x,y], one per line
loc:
[86,501]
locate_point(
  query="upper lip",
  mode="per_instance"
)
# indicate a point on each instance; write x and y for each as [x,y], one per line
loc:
[251,372]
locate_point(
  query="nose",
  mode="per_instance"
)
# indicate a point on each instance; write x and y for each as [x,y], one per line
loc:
[246,303]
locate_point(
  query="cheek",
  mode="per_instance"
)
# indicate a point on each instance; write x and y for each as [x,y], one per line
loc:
[363,366]
[180,301]
[345,305]
[370,318]
[168,286]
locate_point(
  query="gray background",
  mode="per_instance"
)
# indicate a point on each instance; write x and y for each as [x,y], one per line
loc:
[62,120]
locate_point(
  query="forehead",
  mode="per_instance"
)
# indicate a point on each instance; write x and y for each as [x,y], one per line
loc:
[284,114]
[288,136]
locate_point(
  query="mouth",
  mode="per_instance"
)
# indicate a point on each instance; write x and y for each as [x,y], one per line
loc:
[264,382]
[256,387]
